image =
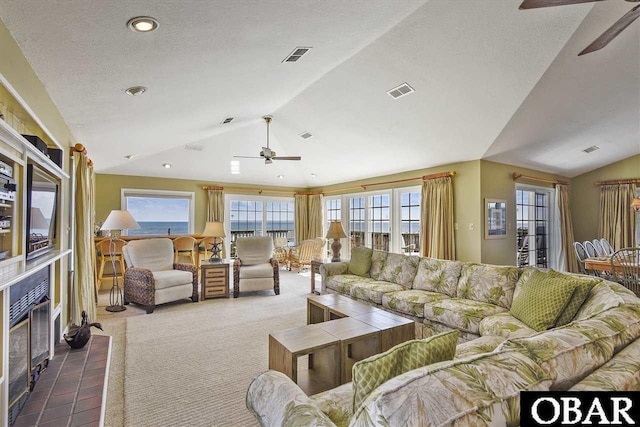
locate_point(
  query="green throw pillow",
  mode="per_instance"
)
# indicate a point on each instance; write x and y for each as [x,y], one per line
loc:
[370,373]
[580,294]
[541,299]
[360,262]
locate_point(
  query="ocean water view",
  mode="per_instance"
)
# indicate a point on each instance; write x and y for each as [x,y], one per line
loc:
[160,228]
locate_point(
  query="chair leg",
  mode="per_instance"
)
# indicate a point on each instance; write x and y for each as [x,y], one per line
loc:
[101,271]
[194,298]
[150,308]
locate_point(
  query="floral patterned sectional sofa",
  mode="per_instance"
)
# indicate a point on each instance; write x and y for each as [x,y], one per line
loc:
[497,356]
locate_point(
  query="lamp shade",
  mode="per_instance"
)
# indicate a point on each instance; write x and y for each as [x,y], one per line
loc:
[213,229]
[336,231]
[635,204]
[119,220]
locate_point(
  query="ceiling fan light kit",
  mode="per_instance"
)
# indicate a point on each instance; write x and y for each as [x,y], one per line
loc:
[267,154]
[606,37]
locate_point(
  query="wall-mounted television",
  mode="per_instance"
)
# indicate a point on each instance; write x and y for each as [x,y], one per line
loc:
[42,208]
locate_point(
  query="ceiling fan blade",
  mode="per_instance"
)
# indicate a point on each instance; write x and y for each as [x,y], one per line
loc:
[534,4]
[248,157]
[613,31]
[287,158]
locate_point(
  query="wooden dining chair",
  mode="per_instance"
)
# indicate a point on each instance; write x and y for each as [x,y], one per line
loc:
[204,249]
[104,249]
[185,246]
[606,246]
[591,250]
[598,247]
[625,265]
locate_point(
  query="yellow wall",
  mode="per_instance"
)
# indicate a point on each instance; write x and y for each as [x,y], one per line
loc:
[466,190]
[108,192]
[497,183]
[585,197]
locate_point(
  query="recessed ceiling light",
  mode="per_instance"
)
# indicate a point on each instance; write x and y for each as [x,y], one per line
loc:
[166,165]
[280,176]
[143,24]
[313,175]
[130,156]
[136,90]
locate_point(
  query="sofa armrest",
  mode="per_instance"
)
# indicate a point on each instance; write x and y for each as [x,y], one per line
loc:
[139,286]
[332,269]
[275,400]
[194,271]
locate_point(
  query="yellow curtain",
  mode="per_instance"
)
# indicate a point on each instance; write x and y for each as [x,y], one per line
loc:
[301,210]
[566,229]
[215,210]
[437,237]
[315,216]
[617,218]
[83,286]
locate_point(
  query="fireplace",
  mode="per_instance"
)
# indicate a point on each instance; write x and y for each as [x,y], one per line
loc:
[29,340]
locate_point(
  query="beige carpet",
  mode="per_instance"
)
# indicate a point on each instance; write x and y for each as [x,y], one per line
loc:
[191,364]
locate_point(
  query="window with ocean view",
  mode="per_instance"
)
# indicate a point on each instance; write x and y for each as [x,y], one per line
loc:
[159,212]
[379,225]
[532,219]
[410,221]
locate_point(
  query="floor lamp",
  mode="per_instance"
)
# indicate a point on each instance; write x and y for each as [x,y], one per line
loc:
[115,223]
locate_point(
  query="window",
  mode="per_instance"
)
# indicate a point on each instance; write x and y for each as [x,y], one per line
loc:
[356,221]
[378,224]
[246,218]
[280,219]
[333,209]
[159,212]
[532,219]
[410,221]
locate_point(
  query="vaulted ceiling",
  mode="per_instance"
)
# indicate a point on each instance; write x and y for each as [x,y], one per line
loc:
[490,81]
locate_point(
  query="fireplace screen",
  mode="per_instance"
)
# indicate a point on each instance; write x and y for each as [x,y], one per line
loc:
[39,334]
[18,361]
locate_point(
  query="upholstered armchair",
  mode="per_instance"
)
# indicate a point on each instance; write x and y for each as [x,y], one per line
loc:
[302,254]
[153,278]
[255,269]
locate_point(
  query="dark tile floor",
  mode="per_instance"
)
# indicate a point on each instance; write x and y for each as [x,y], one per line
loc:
[69,392]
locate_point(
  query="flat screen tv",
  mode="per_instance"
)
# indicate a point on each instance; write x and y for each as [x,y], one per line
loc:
[42,209]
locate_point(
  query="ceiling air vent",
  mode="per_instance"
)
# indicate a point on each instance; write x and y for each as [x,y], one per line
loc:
[296,54]
[305,135]
[400,91]
[591,149]
[193,147]
[227,120]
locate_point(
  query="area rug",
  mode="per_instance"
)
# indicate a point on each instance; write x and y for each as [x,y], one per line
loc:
[191,364]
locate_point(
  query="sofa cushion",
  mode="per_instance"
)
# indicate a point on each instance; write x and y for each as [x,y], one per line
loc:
[378,259]
[360,262]
[487,283]
[170,278]
[400,269]
[152,254]
[369,373]
[256,271]
[343,282]
[410,301]
[479,346]
[373,290]
[476,391]
[568,353]
[430,328]
[504,325]
[336,403]
[601,298]
[621,373]
[541,299]
[438,275]
[459,313]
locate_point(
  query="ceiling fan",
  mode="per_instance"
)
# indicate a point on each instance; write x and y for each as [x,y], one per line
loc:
[267,153]
[607,36]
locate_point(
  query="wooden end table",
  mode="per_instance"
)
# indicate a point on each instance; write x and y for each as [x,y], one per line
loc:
[315,269]
[214,279]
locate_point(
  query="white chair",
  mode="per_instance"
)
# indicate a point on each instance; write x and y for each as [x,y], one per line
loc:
[255,268]
[152,278]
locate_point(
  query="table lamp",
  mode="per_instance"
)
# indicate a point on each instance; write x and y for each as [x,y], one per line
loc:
[214,229]
[115,223]
[336,233]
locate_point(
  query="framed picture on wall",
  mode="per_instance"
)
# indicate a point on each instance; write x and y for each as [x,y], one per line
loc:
[495,223]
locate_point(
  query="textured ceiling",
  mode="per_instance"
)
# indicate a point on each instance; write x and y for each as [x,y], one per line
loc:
[491,81]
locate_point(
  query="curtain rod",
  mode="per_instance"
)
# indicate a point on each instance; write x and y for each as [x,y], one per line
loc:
[80,149]
[423,178]
[618,181]
[254,190]
[517,176]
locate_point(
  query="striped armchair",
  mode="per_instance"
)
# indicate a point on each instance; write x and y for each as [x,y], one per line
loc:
[302,254]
